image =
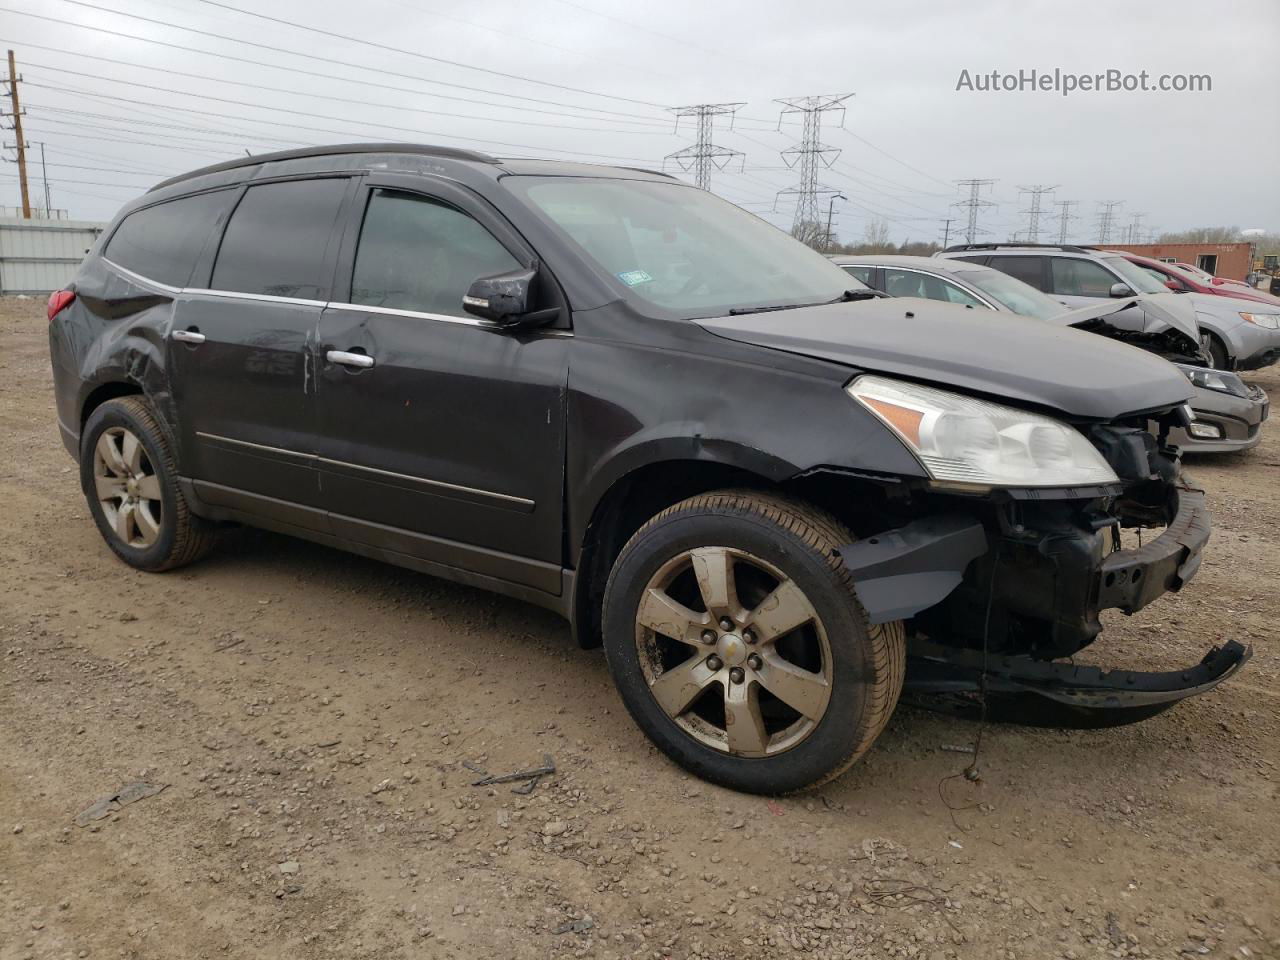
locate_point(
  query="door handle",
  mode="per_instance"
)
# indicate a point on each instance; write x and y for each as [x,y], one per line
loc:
[187,336]
[361,361]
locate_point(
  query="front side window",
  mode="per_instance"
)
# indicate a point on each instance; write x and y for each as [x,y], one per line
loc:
[164,242]
[1134,275]
[279,239]
[682,250]
[422,255]
[1080,278]
[862,274]
[909,283]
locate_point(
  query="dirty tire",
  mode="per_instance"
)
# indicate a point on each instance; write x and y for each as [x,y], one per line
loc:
[1218,355]
[183,537]
[868,662]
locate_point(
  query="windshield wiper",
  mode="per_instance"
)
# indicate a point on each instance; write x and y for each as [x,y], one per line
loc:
[847,297]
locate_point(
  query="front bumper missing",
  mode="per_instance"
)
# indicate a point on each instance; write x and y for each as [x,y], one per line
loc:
[1037,693]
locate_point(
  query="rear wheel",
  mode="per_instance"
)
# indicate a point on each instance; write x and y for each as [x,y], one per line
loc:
[738,644]
[130,480]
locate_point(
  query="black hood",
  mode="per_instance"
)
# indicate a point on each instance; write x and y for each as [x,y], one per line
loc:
[998,354]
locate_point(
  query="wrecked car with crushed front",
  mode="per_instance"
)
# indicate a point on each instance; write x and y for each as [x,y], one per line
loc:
[621,397]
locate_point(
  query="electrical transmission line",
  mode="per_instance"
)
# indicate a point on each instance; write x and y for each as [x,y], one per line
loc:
[1065,218]
[704,155]
[1106,218]
[808,154]
[1133,232]
[1033,212]
[973,205]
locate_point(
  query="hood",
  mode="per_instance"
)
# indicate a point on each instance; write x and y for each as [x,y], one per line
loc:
[1216,305]
[994,353]
[1161,314]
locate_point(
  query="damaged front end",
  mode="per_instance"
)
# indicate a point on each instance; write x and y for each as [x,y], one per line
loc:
[1017,579]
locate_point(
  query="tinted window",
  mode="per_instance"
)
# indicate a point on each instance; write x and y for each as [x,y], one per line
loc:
[1026,269]
[1080,278]
[862,273]
[163,242]
[418,254]
[277,239]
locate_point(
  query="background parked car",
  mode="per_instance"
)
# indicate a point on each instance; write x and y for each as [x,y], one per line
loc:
[1228,412]
[1239,333]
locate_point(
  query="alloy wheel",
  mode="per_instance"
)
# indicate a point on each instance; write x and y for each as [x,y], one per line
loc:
[127,487]
[734,652]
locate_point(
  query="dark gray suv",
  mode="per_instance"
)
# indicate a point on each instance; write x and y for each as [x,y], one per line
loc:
[614,395]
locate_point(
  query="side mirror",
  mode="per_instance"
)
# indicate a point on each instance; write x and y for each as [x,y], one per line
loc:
[1174,285]
[1121,290]
[503,297]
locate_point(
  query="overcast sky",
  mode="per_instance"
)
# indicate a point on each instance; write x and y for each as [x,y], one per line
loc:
[1180,159]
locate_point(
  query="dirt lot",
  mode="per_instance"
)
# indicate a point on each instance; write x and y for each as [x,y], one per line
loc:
[310,712]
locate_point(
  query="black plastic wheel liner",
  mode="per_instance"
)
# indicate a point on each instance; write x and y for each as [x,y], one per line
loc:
[1049,694]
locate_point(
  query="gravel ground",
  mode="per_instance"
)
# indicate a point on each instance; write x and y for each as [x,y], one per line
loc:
[310,713]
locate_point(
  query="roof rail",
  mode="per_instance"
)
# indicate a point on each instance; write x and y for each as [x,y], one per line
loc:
[338,149]
[1068,247]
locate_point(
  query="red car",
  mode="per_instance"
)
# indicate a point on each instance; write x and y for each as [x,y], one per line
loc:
[1182,280]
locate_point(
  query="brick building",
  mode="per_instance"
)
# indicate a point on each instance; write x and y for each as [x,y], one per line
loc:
[1230,260]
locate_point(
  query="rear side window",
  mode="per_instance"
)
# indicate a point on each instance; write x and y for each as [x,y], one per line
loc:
[419,254]
[279,238]
[909,283]
[1027,269]
[1080,278]
[164,242]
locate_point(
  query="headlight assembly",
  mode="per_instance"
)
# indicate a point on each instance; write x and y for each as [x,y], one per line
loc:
[1220,380]
[1270,321]
[960,439]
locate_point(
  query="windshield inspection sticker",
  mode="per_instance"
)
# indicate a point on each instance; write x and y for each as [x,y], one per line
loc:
[632,277]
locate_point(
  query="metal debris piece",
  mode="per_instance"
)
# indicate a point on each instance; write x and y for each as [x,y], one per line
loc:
[575,926]
[105,806]
[532,776]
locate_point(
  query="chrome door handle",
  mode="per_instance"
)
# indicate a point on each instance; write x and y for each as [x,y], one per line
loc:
[361,361]
[187,336]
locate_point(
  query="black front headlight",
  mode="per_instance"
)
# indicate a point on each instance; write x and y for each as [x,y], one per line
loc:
[1223,381]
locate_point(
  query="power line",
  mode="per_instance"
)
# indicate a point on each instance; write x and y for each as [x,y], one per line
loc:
[316,57]
[810,152]
[704,155]
[973,205]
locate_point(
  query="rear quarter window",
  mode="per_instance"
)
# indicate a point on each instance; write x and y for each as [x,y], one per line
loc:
[164,242]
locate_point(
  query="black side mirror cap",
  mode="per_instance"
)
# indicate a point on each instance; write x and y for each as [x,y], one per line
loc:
[503,297]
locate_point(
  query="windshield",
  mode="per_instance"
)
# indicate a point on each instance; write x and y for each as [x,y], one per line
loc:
[1134,275]
[683,249]
[1012,293]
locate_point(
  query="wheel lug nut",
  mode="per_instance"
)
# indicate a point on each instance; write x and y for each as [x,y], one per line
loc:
[748,636]
[714,662]
[736,675]
[754,661]
[708,636]
[726,624]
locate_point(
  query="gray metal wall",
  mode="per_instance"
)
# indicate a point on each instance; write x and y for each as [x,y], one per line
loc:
[37,256]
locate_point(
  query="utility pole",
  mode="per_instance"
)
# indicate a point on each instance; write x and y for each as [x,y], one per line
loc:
[1064,218]
[946,230]
[17,132]
[974,204]
[1033,212]
[808,154]
[830,208]
[704,155]
[1106,217]
[44,176]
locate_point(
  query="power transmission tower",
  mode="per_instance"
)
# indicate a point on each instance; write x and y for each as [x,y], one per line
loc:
[1106,217]
[704,155]
[1033,212]
[1134,230]
[974,204]
[17,133]
[1064,218]
[808,154]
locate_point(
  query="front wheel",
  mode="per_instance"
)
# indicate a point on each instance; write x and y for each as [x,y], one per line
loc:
[738,644]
